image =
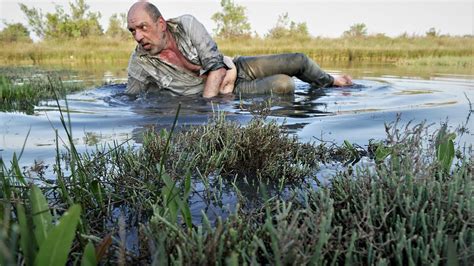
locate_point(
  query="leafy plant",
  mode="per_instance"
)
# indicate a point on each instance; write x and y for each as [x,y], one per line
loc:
[285,28]
[445,148]
[43,242]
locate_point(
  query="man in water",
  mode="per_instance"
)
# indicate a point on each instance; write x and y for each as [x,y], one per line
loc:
[180,56]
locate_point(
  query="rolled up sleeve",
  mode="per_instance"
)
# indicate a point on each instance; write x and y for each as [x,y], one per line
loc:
[209,55]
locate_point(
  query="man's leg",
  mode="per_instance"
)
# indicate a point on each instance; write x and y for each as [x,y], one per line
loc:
[278,84]
[295,64]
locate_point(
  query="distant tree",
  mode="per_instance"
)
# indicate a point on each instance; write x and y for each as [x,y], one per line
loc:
[381,35]
[232,21]
[35,19]
[285,28]
[432,32]
[118,26]
[80,23]
[404,35]
[356,30]
[15,33]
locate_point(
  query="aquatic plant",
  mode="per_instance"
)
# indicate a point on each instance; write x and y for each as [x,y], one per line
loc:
[25,95]
[41,241]
[403,211]
[258,150]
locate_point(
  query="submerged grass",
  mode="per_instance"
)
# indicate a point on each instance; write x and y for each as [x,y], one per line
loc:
[410,207]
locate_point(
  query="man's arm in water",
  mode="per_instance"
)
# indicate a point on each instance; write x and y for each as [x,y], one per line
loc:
[227,83]
[213,83]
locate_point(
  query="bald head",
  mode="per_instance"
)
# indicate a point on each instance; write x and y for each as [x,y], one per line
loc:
[149,8]
[148,27]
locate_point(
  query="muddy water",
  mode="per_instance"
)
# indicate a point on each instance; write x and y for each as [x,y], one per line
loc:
[102,114]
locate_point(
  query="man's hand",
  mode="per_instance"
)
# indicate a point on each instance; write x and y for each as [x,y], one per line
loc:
[213,83]
[342,81]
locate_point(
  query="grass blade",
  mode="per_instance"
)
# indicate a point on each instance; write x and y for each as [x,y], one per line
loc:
[88,258]
[27,242]
[56,246]
[42,218]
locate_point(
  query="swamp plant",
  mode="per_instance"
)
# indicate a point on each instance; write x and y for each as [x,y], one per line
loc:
[412,205]
[22,95]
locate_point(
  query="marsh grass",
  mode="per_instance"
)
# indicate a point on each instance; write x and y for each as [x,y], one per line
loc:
[257,150]
[368,49]
[22,94]
[83,51]
[408,208]
[443,61]
[98,51]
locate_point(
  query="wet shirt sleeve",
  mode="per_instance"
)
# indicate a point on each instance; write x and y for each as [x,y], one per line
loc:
[209,55]
[137,78]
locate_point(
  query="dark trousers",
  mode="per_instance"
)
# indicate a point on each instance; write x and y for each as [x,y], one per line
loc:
[273,73]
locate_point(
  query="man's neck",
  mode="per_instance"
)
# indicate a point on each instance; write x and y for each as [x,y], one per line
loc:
[171,45]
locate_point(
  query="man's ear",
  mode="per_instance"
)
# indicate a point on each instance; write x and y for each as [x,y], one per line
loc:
[162,23]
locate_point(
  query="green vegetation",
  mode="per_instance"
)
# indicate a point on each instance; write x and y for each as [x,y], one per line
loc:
[15,33]
[414,205]
[80,23]
[357,30]
[374,49]
[232,21]
[72,53]
[20,94]
[466,62]
[287,29]
[117,26]
[259,150]
[450,51]
[76,39]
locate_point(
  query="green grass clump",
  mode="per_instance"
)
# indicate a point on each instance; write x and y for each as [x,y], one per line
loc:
[24,96]
[257,150]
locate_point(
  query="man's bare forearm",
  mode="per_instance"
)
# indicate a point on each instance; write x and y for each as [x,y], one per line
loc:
[213,83]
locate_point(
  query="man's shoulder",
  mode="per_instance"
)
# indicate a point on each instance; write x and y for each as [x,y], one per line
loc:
[135,54]
[186,20]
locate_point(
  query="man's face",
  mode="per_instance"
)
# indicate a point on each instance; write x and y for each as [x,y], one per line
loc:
[148,33]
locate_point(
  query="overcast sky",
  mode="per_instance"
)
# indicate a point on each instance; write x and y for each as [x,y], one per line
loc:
[324,17]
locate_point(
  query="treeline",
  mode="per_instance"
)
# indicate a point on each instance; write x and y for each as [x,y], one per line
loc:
[80,22]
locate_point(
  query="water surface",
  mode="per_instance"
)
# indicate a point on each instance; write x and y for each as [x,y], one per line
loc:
[102,114]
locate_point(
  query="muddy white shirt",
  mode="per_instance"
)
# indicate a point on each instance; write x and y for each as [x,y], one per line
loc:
[146,72]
